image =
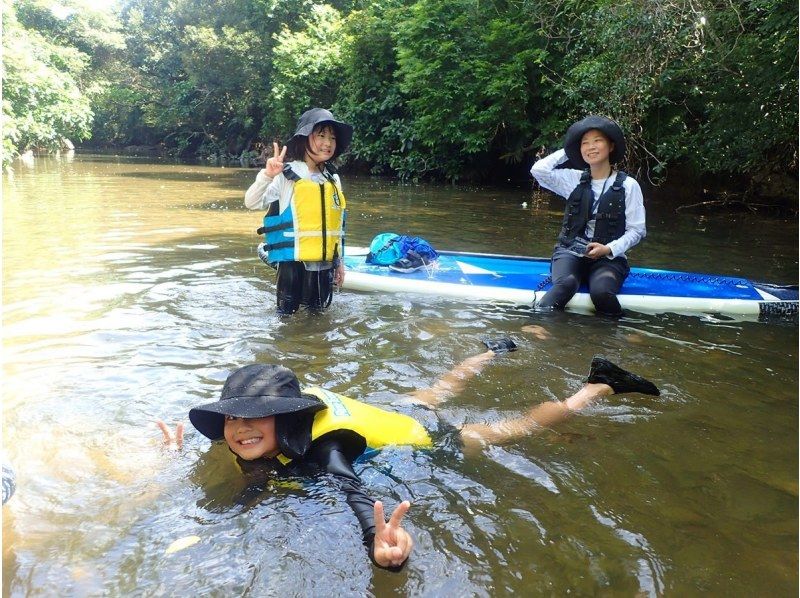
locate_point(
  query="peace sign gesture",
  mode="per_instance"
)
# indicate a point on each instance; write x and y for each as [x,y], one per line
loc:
[392,543]
[275,164]
[170,441]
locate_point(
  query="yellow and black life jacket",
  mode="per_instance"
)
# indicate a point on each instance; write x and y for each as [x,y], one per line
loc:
[376,426]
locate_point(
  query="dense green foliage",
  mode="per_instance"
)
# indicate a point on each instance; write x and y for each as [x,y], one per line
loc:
[713,84]
[452,89]
[49,60]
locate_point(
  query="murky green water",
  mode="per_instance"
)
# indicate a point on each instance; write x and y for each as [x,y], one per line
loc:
[131,289]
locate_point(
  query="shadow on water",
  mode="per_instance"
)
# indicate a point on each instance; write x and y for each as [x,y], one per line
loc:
[156,296]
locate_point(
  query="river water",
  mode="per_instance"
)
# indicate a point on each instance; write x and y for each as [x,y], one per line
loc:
[131,289]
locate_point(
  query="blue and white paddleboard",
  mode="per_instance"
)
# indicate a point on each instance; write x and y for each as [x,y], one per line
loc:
[525,280]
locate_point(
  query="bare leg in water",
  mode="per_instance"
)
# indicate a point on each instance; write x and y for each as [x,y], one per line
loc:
[603,375]
[453,382]
[543,415]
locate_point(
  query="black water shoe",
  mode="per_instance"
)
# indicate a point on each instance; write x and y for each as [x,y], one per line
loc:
[411,263]
[605,372]
[500,345]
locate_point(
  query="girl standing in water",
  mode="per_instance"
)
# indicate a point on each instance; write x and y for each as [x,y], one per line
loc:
[305,221]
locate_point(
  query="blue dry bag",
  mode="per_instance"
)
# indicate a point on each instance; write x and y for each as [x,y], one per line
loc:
[389,248]
[385,249]
[419,246]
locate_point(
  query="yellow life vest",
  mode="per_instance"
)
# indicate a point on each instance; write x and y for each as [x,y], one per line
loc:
[311,228]
[376,426]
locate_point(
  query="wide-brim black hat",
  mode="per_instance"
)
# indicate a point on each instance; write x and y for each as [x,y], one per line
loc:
[254,391]
[316,116]
[572,140]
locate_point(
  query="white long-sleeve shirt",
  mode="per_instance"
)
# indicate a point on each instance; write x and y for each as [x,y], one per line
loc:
[265,190]
[563,181]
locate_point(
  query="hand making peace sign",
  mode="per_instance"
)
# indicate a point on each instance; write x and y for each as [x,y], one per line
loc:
[274,165]
[392,543]
[170,441]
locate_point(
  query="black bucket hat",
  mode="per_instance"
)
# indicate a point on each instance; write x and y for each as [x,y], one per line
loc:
[572,140]
[316,116]
[254,391]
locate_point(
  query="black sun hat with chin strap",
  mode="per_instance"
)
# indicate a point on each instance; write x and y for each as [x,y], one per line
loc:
[251,392]
[572,140]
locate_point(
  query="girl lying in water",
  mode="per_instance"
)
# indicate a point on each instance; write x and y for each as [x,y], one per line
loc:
[264,416]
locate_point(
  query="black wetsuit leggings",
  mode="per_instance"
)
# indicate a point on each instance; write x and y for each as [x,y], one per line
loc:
[298,286]
[604,276]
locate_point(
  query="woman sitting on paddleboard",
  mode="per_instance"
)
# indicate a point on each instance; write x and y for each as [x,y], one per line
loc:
[603,219]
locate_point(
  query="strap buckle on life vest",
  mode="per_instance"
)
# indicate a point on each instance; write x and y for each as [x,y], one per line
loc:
[290,174]
[328,176]
[263,230]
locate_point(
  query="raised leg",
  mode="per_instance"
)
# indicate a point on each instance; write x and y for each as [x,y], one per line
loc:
[454,381]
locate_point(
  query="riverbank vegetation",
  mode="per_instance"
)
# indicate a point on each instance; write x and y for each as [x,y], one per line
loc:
[444,89]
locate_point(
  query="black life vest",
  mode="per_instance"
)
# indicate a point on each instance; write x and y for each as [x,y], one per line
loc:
[610,217]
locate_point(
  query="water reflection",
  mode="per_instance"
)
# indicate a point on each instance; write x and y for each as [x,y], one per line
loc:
[131,289]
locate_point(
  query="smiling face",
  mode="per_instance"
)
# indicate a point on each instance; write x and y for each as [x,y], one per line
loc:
[596,148]
[321,144]
[251,438]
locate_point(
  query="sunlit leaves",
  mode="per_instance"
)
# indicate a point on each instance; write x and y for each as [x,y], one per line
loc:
[43,103]
[307,66]
[687,80]
[451,89]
